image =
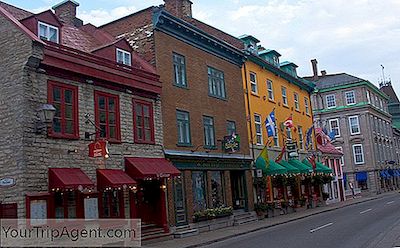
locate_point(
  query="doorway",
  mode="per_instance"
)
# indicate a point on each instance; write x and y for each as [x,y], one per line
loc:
[179,201]
[238,189]
[149,202]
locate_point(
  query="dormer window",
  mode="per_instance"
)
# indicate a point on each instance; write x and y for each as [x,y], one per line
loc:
[123,57]
[275,60]
[48,32]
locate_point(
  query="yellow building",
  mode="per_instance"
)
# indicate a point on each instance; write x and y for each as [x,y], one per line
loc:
[270,85]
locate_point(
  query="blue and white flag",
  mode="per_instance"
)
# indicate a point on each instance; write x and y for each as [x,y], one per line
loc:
[309,136]
[270,124]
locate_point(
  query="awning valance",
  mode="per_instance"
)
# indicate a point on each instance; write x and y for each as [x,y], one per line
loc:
[113,178]
[141,168]
[68,178]
[361,176]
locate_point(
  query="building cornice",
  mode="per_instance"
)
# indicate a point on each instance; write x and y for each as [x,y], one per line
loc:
[188,33]
[351,107]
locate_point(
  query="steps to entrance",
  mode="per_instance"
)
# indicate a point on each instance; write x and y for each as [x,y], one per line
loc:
[152,233]
[185,231]
[241,217]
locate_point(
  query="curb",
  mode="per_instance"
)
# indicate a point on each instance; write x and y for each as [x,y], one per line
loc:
[277,224]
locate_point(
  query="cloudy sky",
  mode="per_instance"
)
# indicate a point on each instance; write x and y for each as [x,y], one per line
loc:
[353,36]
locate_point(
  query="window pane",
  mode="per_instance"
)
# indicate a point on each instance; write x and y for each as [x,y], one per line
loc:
[56,94]
[112,132]
[102,131]
[53,34]
[147,122]
[57,125]
[69,127]
[127,59]
[68,112]
[103,117]
[111,104]
[68,96]
[120,56]
[102,102]
[111,118]
[58,109]
[147,135]
[42,31]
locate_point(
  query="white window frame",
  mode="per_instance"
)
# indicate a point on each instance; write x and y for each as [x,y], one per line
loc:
[358,124]
[327,102]
[124,54]
[289,134]
[276,137]
[307,105]
[301,137]
[368,96]
[284,96]
[48,26]
[259,135]
[342,157]
[253,83]
[296,101]
[270,89]
[347,97]
[355,155]
[338,126]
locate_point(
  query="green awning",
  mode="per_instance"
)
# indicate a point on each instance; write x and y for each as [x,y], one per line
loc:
[321,168]
[290,168]
[273,168]
[299,165]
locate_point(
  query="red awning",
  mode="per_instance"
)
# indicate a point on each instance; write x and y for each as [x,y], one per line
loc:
[113,178]
[139,168]
[68,178]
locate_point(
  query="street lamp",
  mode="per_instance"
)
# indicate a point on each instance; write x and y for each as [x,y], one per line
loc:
[45,113]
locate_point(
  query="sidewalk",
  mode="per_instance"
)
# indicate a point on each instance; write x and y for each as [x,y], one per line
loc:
[226,233]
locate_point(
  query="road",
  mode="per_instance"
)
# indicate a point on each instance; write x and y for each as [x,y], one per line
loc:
[370,224]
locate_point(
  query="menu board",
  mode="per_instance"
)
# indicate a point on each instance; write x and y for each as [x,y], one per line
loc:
[38,212]
[91,208]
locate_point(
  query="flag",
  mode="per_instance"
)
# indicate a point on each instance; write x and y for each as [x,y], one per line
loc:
[309,136]
[332,135]
[289,122]
[280,156]
[262,161]
[270,124]
[312,161]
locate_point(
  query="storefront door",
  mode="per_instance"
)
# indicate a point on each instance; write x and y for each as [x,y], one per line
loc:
[179,200]
[149,202]
[238,189]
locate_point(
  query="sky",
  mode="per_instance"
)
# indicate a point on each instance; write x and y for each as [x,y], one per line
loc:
[352,36]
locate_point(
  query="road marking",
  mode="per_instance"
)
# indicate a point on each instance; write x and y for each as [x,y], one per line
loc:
[318,228]
[389,202]
[363,212]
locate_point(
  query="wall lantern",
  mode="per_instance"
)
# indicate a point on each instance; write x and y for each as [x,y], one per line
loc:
[45,113]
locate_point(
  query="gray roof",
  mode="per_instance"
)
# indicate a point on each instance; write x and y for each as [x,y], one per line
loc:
[333,80]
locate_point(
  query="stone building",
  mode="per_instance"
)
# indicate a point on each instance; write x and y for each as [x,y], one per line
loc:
[355,112]
[102,93]
[203,106]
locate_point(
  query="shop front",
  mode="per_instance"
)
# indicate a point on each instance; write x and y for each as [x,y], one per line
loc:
[148,201]
[209,184]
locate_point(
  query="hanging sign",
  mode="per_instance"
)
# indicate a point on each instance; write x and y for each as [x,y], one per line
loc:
[231,143]
[7,182]
[98,149]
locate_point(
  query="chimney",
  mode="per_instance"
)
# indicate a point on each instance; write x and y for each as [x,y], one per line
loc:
[179,8]
[66,12]
[314,63]
[323,73]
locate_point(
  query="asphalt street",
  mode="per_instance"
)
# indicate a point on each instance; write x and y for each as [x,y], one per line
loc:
[370,224]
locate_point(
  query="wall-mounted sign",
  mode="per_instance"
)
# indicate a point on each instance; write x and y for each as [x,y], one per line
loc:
[231,143]
[7,182]
[98,149]
[291,148]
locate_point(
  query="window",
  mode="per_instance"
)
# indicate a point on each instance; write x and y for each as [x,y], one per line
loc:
[358,154]
[199,190]
[307,106]
[65,99]
[209,133]
[275,60]
[339,148]
[368,96]
[123,57]
[48,32]
[330,101]
[231,127]
[253,83]
[350,98]
[270,90]
[301,142]
[107,116]
[217,189]
[143,121]
[296,101]
[334,126]
[288,133]
[111,204]
[276,140]
[257,123]
[179,70]
[284,96]
[216,83]
[183,125]
[354,125]
[380,104]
